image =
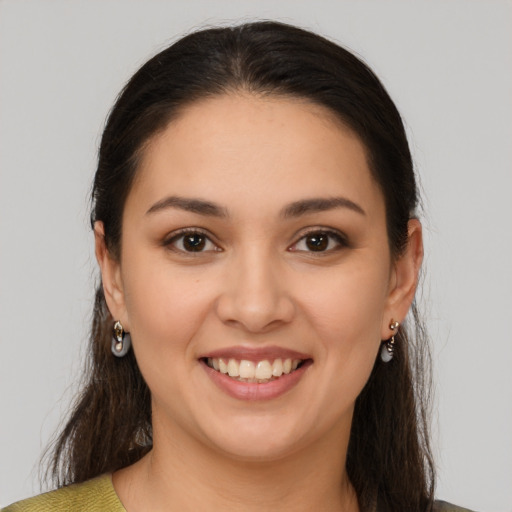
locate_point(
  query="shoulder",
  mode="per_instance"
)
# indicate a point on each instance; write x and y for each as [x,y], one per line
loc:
[96,495]
[443,506]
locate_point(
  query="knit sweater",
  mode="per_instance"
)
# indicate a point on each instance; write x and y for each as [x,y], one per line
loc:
[98,495]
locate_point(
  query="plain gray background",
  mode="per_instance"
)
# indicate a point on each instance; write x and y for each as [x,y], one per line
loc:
[446,63]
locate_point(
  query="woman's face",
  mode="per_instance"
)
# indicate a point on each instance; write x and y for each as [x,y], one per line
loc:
[254,239]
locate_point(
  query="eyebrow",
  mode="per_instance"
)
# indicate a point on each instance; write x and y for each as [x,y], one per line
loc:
[319,204]
[190,205]
[295,209]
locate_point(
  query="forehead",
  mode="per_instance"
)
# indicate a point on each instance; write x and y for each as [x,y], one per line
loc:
[243,148]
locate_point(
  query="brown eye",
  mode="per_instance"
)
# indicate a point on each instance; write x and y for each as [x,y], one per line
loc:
[317,241]
[194,242]
[191,242]
[320,241]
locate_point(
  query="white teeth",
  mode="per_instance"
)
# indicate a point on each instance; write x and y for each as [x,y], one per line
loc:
[277,368]
[263,370]
[223,367]
[233,368]
[250,371]
[247,369]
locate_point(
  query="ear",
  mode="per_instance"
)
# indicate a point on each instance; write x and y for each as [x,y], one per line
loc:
[111,277]
[404,279]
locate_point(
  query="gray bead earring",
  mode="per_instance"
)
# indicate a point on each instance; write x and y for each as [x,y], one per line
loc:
[121,340]
[387,350]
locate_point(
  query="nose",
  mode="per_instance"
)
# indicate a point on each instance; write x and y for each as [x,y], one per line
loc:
[255,294]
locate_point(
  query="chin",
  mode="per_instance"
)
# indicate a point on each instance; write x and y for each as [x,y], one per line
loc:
[256,439]
[257,450]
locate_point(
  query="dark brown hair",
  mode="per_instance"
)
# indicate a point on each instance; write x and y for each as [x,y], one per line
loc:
[389,457]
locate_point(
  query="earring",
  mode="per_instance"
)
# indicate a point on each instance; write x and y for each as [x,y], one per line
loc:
[121,340]
[387,350]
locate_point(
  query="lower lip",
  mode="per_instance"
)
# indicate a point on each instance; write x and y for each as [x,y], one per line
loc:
[253,391]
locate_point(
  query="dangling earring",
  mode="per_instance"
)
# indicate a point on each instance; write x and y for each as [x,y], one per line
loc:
[387,350]
[121,340]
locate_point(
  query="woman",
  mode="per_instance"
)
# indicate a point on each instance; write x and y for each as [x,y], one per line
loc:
[255,226]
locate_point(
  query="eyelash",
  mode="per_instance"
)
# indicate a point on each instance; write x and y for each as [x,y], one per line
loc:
[339,239]
[182,233]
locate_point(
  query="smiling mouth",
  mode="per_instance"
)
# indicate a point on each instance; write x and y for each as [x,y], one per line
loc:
[259,372]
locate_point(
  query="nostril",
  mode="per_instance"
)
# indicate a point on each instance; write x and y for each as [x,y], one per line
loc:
[255,305]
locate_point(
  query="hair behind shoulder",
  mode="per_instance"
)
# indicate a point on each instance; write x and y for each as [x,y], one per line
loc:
[389,457]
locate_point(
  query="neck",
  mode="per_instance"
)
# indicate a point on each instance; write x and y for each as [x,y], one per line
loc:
[182,474]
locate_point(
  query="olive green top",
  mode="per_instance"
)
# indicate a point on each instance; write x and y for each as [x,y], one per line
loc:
[98,495]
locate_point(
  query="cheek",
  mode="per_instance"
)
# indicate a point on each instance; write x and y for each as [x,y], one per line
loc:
[164,308]
[348,304]
[346,312]
[166,311]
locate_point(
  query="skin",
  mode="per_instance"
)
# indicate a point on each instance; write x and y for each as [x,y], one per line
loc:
[256,284]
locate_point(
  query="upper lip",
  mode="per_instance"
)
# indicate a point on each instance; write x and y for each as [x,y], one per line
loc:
[255,354]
